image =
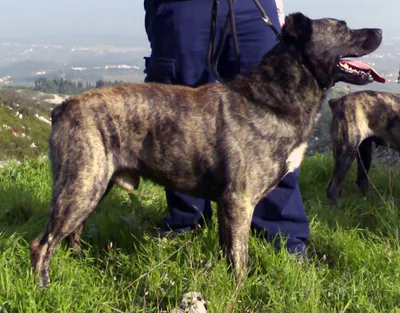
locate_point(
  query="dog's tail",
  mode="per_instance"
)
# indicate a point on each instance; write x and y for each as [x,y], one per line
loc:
[58,110]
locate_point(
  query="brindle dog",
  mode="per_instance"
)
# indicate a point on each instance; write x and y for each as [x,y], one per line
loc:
[230,143]
[358,120]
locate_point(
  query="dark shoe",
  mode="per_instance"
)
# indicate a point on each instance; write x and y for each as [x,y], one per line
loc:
[172,233]
[300,257]
[167,232]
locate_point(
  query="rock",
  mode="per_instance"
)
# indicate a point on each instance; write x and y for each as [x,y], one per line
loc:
[191,302]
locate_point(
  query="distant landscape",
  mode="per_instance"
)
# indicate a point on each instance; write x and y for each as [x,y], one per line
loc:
[88,59]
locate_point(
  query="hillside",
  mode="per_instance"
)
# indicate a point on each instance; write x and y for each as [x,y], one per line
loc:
[24,122]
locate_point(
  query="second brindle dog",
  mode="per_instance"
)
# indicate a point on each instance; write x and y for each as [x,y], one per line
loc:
[358,120]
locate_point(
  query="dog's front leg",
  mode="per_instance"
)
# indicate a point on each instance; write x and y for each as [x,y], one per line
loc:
[234,218]
[364,159]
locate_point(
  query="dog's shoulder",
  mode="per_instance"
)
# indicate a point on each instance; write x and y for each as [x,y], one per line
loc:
[356,96]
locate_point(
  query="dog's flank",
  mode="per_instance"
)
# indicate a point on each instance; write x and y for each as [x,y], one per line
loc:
[230,143]
[358,120]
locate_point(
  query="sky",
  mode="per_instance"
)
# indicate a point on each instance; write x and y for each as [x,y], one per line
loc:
[22,18]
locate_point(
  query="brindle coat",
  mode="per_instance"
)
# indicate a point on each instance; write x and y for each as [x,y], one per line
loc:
[229,143]
[359,119]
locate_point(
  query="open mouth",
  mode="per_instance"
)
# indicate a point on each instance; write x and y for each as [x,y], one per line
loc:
[360,71]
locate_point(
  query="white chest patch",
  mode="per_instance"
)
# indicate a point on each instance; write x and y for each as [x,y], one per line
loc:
[296,157]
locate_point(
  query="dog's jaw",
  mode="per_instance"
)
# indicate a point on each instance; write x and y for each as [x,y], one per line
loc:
[356,44]
[322,53]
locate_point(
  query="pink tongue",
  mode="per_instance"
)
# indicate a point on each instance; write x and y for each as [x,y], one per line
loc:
[365,67]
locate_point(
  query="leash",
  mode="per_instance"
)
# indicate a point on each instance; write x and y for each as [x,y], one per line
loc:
[266,18]
[213,54]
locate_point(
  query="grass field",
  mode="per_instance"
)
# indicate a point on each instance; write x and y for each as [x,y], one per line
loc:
[354,259]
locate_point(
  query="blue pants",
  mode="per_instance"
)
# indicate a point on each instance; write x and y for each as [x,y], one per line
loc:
[178,32]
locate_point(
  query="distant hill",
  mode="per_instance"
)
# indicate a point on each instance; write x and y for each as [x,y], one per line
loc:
[27,71]
[28,68]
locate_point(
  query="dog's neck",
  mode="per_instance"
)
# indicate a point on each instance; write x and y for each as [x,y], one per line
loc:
[288,48]
[282,84]
[281,64]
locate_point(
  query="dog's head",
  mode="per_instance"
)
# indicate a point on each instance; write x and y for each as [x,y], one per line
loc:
[323,45]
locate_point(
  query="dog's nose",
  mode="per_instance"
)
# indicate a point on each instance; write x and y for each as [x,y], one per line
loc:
[378,31]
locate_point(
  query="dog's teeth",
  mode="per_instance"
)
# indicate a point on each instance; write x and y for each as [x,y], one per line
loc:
[349,69]
[344,65]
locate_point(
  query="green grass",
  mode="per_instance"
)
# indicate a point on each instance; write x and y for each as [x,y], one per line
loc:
[354,254]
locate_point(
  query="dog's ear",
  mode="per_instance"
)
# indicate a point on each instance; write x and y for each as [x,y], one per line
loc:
[297,26]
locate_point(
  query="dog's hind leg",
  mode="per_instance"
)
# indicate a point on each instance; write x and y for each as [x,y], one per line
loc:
[364,158]
[234,219]
[73,239]
[76,194]
[344,156]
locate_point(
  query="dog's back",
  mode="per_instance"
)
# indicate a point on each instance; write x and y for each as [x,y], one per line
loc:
[368,113]
[124,128]
[369,100]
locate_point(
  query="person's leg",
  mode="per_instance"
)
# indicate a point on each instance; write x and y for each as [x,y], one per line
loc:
[282,211]
[178,32]
[254,36]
